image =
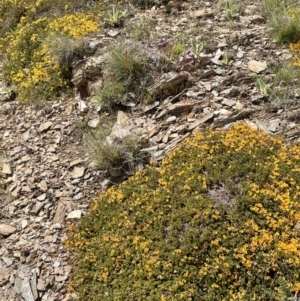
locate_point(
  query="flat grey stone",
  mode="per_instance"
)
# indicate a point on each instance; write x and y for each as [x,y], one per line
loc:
[225,112]
[78,172]
[6,230]
[93,123]
[150,149]
[38,207]
[234,116]
[203,13]
[6,169]
[113,33]
[8,261]
[60,213]
[239,106]
[178,109]
[4,275]
[78,196]
[75,162]
[228,102]
[42,197]
[24,223]
[18,285]
[26,292]
[273,125]
[202,120]
[171,119]
[45,126]
[256,66]
[76,214]
[82,106]
[240,54]
[61,278]
[43,186]
[33,285]
[41,285]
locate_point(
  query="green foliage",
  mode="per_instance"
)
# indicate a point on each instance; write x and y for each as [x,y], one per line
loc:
[116,17]
[287,75]
[283,293]
[265,88]
[284,82]
[176,49]
[111,154]
[140,30]
[126,62]
[197,48]
[283,19]
[64,50]
[231,9]
[111,93]
[227,57]
[127,66]
[218,220]
[180,37]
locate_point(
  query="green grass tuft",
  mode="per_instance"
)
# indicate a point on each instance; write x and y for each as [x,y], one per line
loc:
[283,20]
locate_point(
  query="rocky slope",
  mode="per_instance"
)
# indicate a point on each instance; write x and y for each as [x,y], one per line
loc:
[47,180]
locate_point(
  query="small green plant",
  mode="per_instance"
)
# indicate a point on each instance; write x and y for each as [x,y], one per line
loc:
[108,154]
[230,9]
[265,88]
[126,62]
[227,57]
[111,93]
[65,50]
[287,74]
[140,30]
[197,48]
[180,37]
[176,49]
[283,293]
[115,17]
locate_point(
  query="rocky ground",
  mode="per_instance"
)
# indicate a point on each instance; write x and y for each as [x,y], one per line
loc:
[47,179]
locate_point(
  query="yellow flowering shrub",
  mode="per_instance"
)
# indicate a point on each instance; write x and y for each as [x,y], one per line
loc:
[75,25]
[13,12]
[295,49]
[29,63]
[218,220]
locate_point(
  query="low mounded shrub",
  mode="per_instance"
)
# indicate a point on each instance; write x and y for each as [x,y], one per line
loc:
[12,12]
[31,65]
[219,220]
